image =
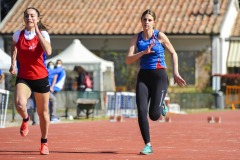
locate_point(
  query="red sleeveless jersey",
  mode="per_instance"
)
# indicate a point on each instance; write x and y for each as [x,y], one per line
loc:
[30,58]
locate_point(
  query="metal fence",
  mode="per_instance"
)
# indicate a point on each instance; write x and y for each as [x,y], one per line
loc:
[121,104]
[193,100]
[4,97]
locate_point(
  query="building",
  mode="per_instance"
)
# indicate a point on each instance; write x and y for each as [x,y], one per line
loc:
[202,32]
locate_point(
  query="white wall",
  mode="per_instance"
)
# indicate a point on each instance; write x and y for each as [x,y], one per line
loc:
[216,55]
[93,43]
[221,46]
[122,43]
[225,33]
[190,43]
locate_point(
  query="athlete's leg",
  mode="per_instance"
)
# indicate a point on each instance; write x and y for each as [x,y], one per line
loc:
[142,98]
[22,93]
[159,85]
[42,101]
[41,90]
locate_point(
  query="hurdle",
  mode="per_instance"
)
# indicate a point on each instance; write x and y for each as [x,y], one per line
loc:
[121,104]
[232,95]
[4,104]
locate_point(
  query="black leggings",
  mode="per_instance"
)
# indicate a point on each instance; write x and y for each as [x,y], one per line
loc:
[151,86]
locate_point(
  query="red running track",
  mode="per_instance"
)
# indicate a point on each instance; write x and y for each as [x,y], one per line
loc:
[187,137]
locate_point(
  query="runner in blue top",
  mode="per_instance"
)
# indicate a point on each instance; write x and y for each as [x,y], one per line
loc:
[155,60]
[152,83]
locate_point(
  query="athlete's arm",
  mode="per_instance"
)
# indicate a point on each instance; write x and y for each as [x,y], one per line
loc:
[13,58]
[132,56]
[2,77]
[53,83]
[167,44]
[45,44]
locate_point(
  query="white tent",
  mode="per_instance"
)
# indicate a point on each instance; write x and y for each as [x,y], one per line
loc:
[5,61]
[78,55]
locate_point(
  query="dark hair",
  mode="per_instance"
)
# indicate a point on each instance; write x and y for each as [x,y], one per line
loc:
[79,69]
[49,63]
[148,11]
[59,60]
[41,26]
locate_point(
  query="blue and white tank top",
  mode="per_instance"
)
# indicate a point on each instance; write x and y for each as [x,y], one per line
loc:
[153,60]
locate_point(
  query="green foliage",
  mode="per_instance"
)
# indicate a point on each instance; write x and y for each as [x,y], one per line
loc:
[207,67]
[125,75]
[208,90]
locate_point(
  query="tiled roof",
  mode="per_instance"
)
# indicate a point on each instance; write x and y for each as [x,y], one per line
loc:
[120,16]
[236,28]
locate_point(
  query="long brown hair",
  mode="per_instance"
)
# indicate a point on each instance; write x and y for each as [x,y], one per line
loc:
[148,11]
[41,25]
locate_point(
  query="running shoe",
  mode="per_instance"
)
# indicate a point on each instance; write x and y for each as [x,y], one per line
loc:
[146,150]
[44,149]
[54,119]
[165,109]
[24,128]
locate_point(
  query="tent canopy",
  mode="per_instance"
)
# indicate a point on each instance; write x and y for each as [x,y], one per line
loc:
[78,54]
[5,61]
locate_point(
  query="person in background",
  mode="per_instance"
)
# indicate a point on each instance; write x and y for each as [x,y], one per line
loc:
[152,82]
[52,78]
[31,109]
[57,86]
[88,82]
[60,77]
[81,77]
[2,80]
[29,49]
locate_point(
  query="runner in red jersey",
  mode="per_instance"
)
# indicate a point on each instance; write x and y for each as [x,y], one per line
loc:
[28,53]
[33,66]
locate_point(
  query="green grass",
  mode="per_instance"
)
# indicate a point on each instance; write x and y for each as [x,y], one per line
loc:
[203,110]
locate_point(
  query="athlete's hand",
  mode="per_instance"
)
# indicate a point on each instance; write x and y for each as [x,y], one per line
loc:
[12,70]
[149,49]
[179,80]
[36,26]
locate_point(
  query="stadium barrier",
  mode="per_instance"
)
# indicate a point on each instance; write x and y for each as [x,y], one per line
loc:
[121,104]
[4,103]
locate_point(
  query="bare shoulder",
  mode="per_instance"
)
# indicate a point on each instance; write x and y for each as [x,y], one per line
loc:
[134,39]
[162,35]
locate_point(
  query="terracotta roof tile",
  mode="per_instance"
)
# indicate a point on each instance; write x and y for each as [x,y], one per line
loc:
[217,26]
[209,25]
[236,28]
[120,16]
[203,24]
